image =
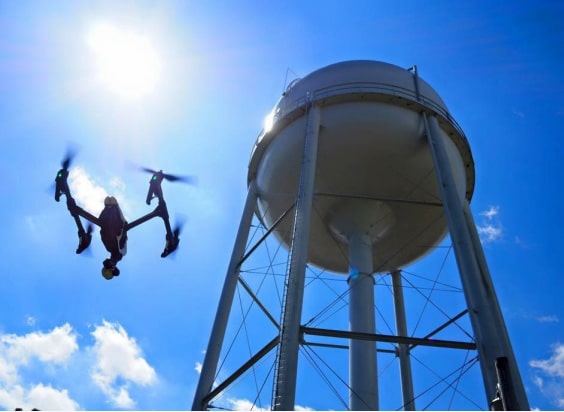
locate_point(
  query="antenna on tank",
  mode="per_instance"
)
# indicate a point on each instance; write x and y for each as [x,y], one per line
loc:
[289,85]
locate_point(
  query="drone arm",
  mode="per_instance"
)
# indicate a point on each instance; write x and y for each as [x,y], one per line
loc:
[84,237]
[162,212]
[62,188]
[77,211]
[143,219]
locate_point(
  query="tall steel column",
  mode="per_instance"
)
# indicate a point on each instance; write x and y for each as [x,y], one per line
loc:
[403,349]
[490,296]
[287,361]
[485,314]
[213,351]
[363,371]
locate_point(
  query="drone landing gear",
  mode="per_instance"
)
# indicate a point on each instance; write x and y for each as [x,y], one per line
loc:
[84,240]
[171,245]
[110,269]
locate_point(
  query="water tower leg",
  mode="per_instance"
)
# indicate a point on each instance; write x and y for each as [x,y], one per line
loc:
[287,360]
[213,351]
[518,388]
[485,314]
[363,371]
[403,349]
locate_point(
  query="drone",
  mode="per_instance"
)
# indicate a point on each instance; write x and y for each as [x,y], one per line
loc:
[113,226]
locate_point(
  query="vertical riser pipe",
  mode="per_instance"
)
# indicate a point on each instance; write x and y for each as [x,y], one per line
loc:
[363,371]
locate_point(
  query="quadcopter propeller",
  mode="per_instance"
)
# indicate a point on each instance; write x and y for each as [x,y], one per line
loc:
[171,178]
[84,241]
[178,228]
[173,243]
[60,181]
[69,157]
[89,230]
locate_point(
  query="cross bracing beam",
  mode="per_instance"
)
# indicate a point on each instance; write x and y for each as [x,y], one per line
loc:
[378,337]
[245,367]
[443,326]
[328,345]
[258,302]
[268,232]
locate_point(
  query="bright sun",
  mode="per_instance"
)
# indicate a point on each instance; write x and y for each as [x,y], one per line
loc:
[126,63]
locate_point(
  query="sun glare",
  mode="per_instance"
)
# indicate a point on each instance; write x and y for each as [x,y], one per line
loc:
[126,63]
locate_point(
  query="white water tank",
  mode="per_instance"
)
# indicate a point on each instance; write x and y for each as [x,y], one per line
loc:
[374,169]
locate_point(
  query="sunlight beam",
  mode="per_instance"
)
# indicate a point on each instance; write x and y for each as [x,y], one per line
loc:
[126,63]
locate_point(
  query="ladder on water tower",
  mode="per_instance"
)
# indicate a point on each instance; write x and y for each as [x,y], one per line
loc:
[292,267]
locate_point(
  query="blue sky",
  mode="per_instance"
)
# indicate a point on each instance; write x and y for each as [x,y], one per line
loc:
[69,339]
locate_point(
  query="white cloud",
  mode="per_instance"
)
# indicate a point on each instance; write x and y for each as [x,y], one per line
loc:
[54,347]
[198,367]
[553,366]
[39,396]
[490,229]
[87,193]
[8,371]
[551,381]
[518,113]
[49,399]
[114,360]
[548,319]
[90,195]
[489,233]
[119,363]
[520,242]
[117,184]
[247,405]
[491,212]
[121,398]
[244,405]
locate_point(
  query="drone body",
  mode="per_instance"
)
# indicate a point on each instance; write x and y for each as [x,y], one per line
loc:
[113,226]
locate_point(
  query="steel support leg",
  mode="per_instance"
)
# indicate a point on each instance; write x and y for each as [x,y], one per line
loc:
[287,360]
[403,349]
[213,351]
[485,314]
[518,389]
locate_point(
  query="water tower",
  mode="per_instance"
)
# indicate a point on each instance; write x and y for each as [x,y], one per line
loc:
[391,173]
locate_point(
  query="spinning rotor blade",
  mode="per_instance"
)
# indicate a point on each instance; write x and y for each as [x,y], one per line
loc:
[170,177]
[69,157]
[60,187]
[84,243]
[146,169]
[177,229]
[180,222]
[183,179]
